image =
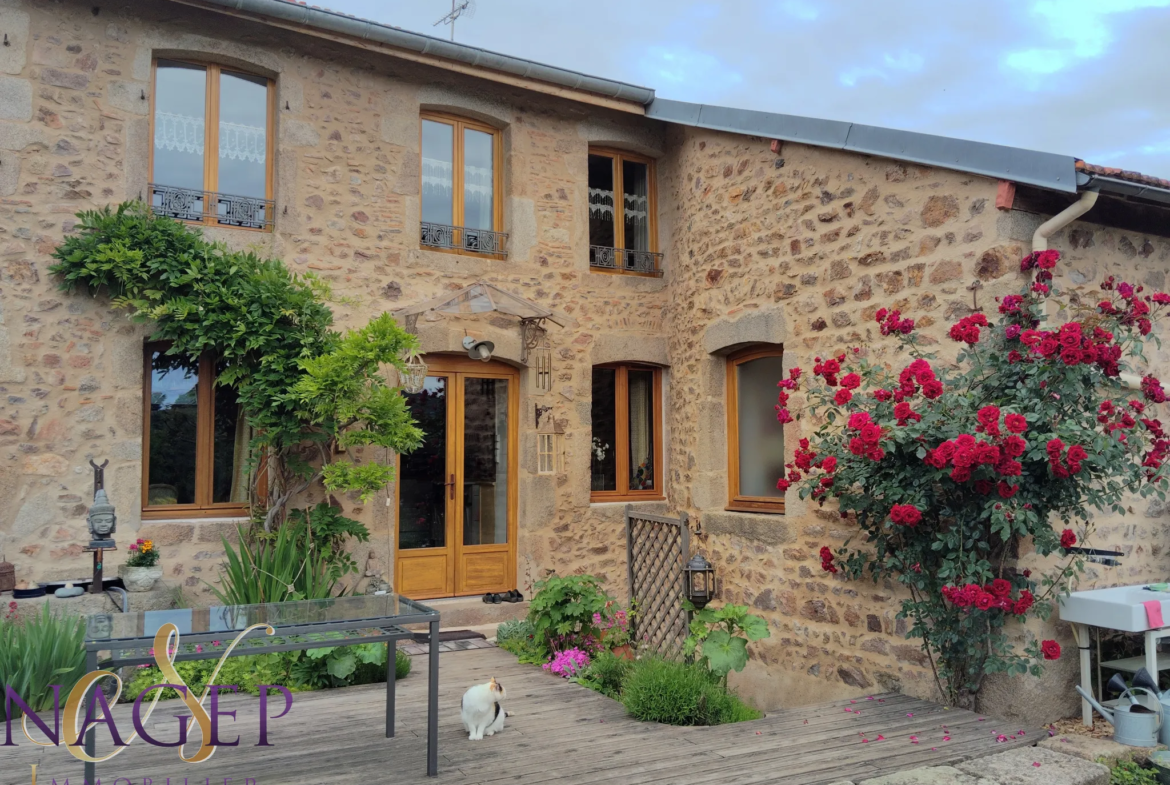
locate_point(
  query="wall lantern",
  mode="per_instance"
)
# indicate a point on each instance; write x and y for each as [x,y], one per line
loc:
[413,377]
[700,581]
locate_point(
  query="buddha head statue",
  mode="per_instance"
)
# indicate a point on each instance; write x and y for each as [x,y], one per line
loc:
[102,520]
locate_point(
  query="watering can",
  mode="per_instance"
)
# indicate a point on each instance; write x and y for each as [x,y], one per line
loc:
[1144,680]
[1133,724]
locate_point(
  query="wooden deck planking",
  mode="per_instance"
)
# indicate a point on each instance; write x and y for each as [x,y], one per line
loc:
[560,733]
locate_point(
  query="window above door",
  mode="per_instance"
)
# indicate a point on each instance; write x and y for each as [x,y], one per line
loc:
[212,145]
[623,214]
[461,186]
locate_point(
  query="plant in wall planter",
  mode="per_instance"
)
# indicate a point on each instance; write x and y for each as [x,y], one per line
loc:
[141,571]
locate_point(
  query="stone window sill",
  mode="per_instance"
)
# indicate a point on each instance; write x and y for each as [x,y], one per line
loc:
[766,528]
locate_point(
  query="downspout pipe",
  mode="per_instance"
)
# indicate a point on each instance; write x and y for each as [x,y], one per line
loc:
[1063,219]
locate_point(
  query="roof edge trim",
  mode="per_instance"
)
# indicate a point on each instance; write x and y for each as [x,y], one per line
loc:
[1045,170]
[335,22]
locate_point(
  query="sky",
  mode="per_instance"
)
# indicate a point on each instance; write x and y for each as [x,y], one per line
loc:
[1081,77]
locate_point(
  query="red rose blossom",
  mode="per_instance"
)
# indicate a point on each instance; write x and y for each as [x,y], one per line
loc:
[1015,423]
[1067,539]
[1050,650]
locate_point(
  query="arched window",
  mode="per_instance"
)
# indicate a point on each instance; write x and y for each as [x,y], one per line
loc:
[755,438]
[626,447]
[461,184]
[212,146]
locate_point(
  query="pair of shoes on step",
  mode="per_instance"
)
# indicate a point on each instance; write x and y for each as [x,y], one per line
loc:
[510,596]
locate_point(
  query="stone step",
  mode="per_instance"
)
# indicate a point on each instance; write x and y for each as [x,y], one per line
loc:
[471,612]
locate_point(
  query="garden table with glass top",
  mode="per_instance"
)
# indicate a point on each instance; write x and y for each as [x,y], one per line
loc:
[115,640]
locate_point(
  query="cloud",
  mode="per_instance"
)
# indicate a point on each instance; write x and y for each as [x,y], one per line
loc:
[700,73]
[1080,77]
[891,65]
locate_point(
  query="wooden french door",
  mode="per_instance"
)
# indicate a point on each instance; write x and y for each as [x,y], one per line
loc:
[457,493]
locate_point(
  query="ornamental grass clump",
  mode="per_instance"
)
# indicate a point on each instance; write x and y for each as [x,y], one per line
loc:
[948,468]
[680,693]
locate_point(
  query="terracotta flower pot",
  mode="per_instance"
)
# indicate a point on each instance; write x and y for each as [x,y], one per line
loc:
[623,652]
[138,579]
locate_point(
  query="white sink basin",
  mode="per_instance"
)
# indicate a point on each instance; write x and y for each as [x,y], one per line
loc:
[1119,608]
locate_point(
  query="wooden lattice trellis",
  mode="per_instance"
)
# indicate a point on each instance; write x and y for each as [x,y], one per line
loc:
[656,553]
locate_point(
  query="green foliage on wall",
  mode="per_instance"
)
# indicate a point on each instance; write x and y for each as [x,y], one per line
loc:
[307,388]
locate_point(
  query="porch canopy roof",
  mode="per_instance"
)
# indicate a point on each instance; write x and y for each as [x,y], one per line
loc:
[483,297]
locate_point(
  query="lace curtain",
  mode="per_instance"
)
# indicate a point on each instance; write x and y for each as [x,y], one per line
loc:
[185,134]
[641,435]
[478,189]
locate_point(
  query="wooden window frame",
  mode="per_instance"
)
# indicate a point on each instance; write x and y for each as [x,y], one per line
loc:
[738,502]
[546,459]
[619,224]
[459,123]
[211,136]
[204,447]
[622,436]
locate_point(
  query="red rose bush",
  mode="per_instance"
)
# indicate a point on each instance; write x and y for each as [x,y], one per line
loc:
[949,468]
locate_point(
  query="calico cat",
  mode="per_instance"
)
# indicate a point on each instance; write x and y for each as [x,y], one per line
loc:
[482,712]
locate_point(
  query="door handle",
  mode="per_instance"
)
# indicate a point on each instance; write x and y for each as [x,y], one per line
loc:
[451,487]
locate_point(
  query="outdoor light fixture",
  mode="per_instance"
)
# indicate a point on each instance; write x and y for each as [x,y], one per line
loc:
[478,350]
[700,581]
[414,377]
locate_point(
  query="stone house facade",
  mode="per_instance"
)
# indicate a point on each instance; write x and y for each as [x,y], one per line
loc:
[772,249]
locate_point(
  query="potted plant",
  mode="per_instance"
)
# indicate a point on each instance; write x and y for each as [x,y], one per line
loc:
[141,571]
[615,631]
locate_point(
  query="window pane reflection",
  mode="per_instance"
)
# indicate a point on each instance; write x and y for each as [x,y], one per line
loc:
[478,179]
[641,416]
[174,391]
[603,452]
[485,461]
[179,118]
[601,207]
[243,134]
[761,436]
[438,183]
[422,505]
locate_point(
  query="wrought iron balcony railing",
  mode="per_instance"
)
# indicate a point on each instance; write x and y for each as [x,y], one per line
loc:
[462,238]
[626,261]
[192,204]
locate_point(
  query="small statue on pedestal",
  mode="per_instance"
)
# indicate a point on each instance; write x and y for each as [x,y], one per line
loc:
[103,522]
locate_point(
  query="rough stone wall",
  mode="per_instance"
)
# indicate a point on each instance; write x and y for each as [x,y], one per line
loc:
[74,134]
[801,248]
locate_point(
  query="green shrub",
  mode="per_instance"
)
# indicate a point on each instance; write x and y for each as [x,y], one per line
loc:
[606,674]
[37,653]
[678,693]
[514,629]
[247,673]
[1129,773]
[298,670]
[716,639]
[562,611]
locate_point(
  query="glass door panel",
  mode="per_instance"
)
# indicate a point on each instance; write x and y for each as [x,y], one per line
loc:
[422,481]
[485,461]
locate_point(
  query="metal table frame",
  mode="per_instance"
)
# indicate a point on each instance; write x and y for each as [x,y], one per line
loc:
[131,651]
